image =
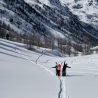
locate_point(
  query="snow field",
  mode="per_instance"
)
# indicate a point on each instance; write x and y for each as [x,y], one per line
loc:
[26,74]
[21,78]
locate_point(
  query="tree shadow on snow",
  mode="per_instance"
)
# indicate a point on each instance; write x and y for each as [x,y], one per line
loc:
[7,49]
[14,47]
[12,55]
[2,60]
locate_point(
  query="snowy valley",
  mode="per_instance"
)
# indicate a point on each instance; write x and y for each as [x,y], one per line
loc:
[25,73]
[35,34]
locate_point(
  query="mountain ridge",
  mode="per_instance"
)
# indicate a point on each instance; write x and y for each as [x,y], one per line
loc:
[53,20]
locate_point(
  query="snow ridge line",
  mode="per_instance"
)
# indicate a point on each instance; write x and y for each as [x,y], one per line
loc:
[46,69]
[21,54]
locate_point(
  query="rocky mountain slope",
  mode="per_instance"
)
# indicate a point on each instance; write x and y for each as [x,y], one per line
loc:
[49,17]
[86,10]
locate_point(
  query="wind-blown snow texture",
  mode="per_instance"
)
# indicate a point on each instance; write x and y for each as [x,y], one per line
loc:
[28,74]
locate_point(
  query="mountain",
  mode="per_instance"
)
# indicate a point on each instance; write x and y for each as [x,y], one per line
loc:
[86,10]
[49,17]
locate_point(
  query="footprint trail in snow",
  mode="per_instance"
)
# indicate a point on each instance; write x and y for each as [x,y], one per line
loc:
[63,92]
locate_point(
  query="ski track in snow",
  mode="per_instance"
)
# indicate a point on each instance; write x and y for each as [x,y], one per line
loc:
[49,60]
[59,94]
[96,75]
[79,58]
[63,92]
[39,56]
[76,59]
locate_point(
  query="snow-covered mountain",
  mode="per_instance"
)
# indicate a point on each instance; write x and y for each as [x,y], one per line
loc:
[45,17]
[86,10]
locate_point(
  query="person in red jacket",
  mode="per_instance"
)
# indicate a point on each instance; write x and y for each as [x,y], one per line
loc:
[58,68]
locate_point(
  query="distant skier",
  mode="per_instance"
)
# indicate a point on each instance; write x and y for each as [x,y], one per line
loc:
[7,36]
[58,68]
[64,69]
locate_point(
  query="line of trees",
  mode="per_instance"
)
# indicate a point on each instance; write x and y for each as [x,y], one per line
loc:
[65,46]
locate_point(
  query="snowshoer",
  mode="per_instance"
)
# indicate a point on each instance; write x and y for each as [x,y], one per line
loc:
[64,69]
[58,68]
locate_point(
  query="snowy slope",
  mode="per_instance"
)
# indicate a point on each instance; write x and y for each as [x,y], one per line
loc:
[23,78]
[83,79]
[26,74]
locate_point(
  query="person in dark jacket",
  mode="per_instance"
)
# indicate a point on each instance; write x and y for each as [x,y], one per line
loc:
[64,69]
[7,36]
